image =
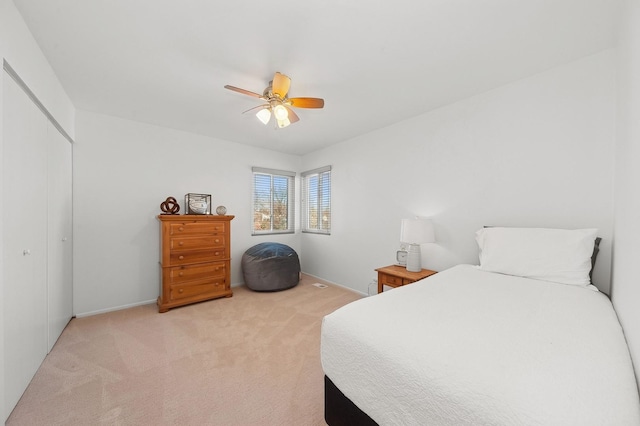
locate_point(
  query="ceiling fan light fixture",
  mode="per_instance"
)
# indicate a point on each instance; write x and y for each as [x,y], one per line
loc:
[281,113]
[283,123]
[264,115]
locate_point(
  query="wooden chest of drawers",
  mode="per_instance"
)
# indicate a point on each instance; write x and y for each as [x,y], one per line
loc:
[195,259]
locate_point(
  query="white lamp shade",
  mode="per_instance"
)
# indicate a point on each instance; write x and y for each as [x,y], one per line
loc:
[264,115]
[280,112]
[417,231]
[283,123]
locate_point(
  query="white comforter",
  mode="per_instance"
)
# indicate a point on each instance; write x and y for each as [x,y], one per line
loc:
[468,347]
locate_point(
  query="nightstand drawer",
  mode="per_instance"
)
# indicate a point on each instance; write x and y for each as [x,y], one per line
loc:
[392,281]
[397,276]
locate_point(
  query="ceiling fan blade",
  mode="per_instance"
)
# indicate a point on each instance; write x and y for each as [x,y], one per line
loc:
[243,91]
[256,107]
[306,102]
[280,85]
[293,117]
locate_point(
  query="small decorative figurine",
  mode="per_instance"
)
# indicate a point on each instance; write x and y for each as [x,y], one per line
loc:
[170,206]
[221,210]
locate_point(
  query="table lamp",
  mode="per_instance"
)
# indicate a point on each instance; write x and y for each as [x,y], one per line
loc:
[415,232]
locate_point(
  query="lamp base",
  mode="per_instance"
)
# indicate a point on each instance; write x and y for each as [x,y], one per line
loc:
[414,258]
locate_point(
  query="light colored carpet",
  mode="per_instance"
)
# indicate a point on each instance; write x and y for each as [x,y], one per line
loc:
[252,359]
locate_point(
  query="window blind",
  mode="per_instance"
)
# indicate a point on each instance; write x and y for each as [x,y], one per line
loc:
[273,201]
[316,200]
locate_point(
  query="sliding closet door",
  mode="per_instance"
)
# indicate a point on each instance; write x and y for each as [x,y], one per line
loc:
[24,216]
[59,270]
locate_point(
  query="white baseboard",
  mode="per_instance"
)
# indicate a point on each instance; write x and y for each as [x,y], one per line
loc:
[149,302]
[117,308]
[336,284]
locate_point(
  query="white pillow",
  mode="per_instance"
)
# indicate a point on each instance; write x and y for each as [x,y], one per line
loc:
[558,255]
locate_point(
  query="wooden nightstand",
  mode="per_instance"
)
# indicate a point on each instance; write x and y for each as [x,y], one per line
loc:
[397,276]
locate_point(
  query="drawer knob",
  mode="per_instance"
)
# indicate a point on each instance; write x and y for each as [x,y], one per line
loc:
[181,290]
[180,274]
[181,229]
[181,257]
[217,253]
[181,243]
[217,240]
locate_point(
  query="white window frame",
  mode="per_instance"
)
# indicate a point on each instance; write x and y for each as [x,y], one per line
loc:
[320,200]
[265,208]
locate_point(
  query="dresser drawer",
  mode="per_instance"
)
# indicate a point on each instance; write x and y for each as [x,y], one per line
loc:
[392,281]
[185,257]
[198,228]
[184,291]
[200,271]
[196,242]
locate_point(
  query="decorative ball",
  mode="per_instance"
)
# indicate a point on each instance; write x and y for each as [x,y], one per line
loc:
[221,210]
[198,206]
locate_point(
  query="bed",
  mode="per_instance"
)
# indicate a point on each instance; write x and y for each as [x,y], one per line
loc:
[473,346]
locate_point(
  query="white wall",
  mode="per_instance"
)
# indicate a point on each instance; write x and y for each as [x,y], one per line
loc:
[538,152]
[20,50]
[122,171]
[626,283]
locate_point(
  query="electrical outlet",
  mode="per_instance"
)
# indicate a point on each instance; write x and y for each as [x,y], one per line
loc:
[372,288]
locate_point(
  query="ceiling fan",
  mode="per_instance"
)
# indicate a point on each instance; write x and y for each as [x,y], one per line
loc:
[278,103]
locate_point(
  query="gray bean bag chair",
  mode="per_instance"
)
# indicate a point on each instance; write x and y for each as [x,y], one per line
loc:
[270,267]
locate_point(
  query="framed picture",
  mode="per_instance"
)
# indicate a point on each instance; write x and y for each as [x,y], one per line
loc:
[197,203]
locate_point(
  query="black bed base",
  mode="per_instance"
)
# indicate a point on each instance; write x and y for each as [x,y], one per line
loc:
[340,411]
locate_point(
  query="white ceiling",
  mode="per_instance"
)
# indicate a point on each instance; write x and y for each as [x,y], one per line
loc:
[374,62]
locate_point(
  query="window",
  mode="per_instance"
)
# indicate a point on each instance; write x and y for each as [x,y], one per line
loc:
[316,201]
[273,201]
